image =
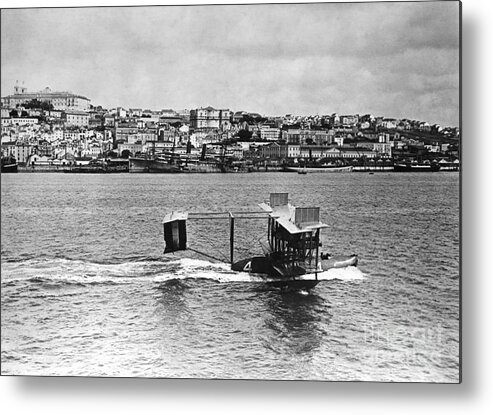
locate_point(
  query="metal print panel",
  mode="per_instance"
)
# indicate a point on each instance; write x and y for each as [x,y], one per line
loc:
[114,118]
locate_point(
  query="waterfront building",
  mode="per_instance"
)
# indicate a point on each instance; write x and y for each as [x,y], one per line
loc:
[383,149]
[132,148]
[275,151]
[314,152]
[235,151]
[94,150]
[45,148]
[293,150]
[349,153]
[63,100]
[158,146]
[271,151]
[7,147]
[37,160]
[339,140]
[21,152]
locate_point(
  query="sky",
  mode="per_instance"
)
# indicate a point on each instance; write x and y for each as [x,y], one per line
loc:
[392,59]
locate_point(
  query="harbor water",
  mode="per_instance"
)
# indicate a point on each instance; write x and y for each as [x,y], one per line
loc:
[87,291]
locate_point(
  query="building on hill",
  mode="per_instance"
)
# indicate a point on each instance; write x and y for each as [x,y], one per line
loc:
[270,133]
[305,136]
[76,118]
[210,118]
[63,100]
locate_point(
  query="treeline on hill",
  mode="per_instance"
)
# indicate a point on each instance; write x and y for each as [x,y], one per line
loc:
[35,104]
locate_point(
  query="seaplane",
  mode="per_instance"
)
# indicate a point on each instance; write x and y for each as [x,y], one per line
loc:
[292,258]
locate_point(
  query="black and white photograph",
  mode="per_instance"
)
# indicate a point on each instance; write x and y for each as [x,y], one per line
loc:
[264,192]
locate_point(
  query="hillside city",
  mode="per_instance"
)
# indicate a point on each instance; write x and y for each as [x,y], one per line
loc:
[47,129]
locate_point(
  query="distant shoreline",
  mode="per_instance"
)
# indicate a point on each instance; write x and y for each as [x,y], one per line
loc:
[25,170]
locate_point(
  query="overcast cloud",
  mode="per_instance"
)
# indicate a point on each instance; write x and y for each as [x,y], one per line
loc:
[390,59]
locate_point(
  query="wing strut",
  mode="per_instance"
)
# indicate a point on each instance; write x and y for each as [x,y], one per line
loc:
[231,236]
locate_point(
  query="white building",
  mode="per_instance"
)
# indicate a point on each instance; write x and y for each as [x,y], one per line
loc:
[76,118]
[19,121]
[270,133]
[64,100]
[210,118]
[22,152]
[383,148]
[93,150]
[293,150]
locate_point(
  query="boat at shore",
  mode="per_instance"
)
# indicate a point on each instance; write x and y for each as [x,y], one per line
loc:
[100,166]
[201,166]
[416,167]
[9,164]
[320,169]
[157,164]
[449,165]
[96,169]
[292,258]
[372,169]
[169,162]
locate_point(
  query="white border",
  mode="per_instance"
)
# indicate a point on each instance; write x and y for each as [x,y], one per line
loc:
[23,395]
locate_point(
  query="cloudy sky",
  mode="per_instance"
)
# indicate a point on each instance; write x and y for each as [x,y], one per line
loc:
[390,59]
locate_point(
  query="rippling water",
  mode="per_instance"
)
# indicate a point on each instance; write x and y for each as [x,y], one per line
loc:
[86,289]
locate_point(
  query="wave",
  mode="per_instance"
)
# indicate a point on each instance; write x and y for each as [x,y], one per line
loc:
[69,271]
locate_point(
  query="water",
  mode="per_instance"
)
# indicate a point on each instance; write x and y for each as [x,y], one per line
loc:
[87,291]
